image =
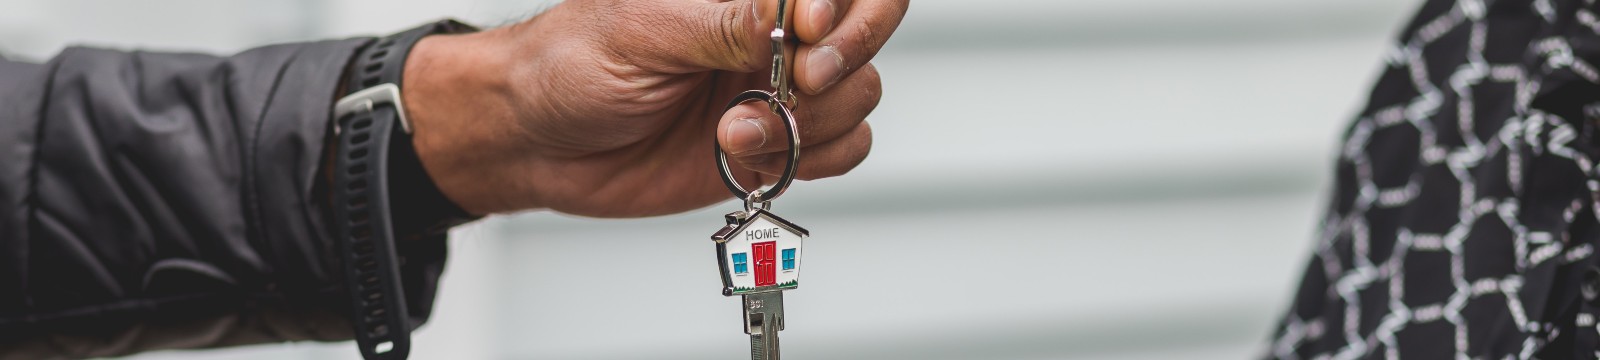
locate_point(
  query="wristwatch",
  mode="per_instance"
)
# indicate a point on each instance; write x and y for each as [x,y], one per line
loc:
[374,159]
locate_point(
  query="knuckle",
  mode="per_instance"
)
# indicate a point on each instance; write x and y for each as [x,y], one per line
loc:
[863,147]
[730,37]
[857,146]
[874,85]
[807,130]
[869,38]
[623,17]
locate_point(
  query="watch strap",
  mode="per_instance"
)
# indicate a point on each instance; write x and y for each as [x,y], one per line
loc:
[367,123]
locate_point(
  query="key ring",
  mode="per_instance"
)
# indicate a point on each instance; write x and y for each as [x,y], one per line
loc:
[753,202]
[760,196]
[780,100]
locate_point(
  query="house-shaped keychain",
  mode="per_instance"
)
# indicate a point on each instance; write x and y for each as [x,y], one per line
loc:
[758,252]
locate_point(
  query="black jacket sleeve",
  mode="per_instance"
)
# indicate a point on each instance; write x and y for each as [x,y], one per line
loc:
[159,200]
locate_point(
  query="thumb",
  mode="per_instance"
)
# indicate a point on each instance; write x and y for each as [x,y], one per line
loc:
[715,35]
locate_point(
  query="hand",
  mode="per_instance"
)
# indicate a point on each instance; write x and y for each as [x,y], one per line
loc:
[608,107]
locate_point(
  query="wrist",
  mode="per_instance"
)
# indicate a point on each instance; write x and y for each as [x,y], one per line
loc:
[458,100]
[382,195]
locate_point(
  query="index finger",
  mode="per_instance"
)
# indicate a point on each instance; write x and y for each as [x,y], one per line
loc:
[863,30]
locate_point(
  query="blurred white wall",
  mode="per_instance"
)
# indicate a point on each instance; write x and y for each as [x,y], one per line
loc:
[1110,179]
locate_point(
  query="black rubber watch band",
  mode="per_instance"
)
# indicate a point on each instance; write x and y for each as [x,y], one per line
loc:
[367,122]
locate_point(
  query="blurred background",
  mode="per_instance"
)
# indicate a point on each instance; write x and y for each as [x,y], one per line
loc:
[1051,179]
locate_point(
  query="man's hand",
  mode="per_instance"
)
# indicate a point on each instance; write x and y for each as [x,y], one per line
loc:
[608,107]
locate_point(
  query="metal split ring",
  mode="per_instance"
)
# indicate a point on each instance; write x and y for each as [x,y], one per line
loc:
[753,202]
[764,197]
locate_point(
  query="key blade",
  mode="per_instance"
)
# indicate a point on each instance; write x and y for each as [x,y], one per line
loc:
[761,311]
[763,318]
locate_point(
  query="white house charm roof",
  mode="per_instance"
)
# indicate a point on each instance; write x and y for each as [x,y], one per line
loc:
[759,252]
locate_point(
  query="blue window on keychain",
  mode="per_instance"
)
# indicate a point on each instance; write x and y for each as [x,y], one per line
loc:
[788,259]
[741,263]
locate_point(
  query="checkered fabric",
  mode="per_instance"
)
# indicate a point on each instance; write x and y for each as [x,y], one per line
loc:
[1462,223]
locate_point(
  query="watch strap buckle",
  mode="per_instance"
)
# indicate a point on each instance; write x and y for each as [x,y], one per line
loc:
[365,100]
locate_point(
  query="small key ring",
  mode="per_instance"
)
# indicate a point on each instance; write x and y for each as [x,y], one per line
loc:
[789,170]
[752,199]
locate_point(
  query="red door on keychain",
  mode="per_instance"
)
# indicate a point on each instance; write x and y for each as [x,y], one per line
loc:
[766,272]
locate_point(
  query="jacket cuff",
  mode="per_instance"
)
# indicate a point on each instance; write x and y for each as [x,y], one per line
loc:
[290,149]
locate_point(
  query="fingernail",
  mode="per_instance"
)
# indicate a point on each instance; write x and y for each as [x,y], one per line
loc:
[745,135]
[825,67]
[755,10]
[822,16]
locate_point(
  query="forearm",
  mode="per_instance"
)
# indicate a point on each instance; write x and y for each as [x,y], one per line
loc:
[170,186]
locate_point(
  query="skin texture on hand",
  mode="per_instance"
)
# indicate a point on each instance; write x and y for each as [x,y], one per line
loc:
[608,108]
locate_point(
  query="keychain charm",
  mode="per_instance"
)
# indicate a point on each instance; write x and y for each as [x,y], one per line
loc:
[758,253]
[749,251]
